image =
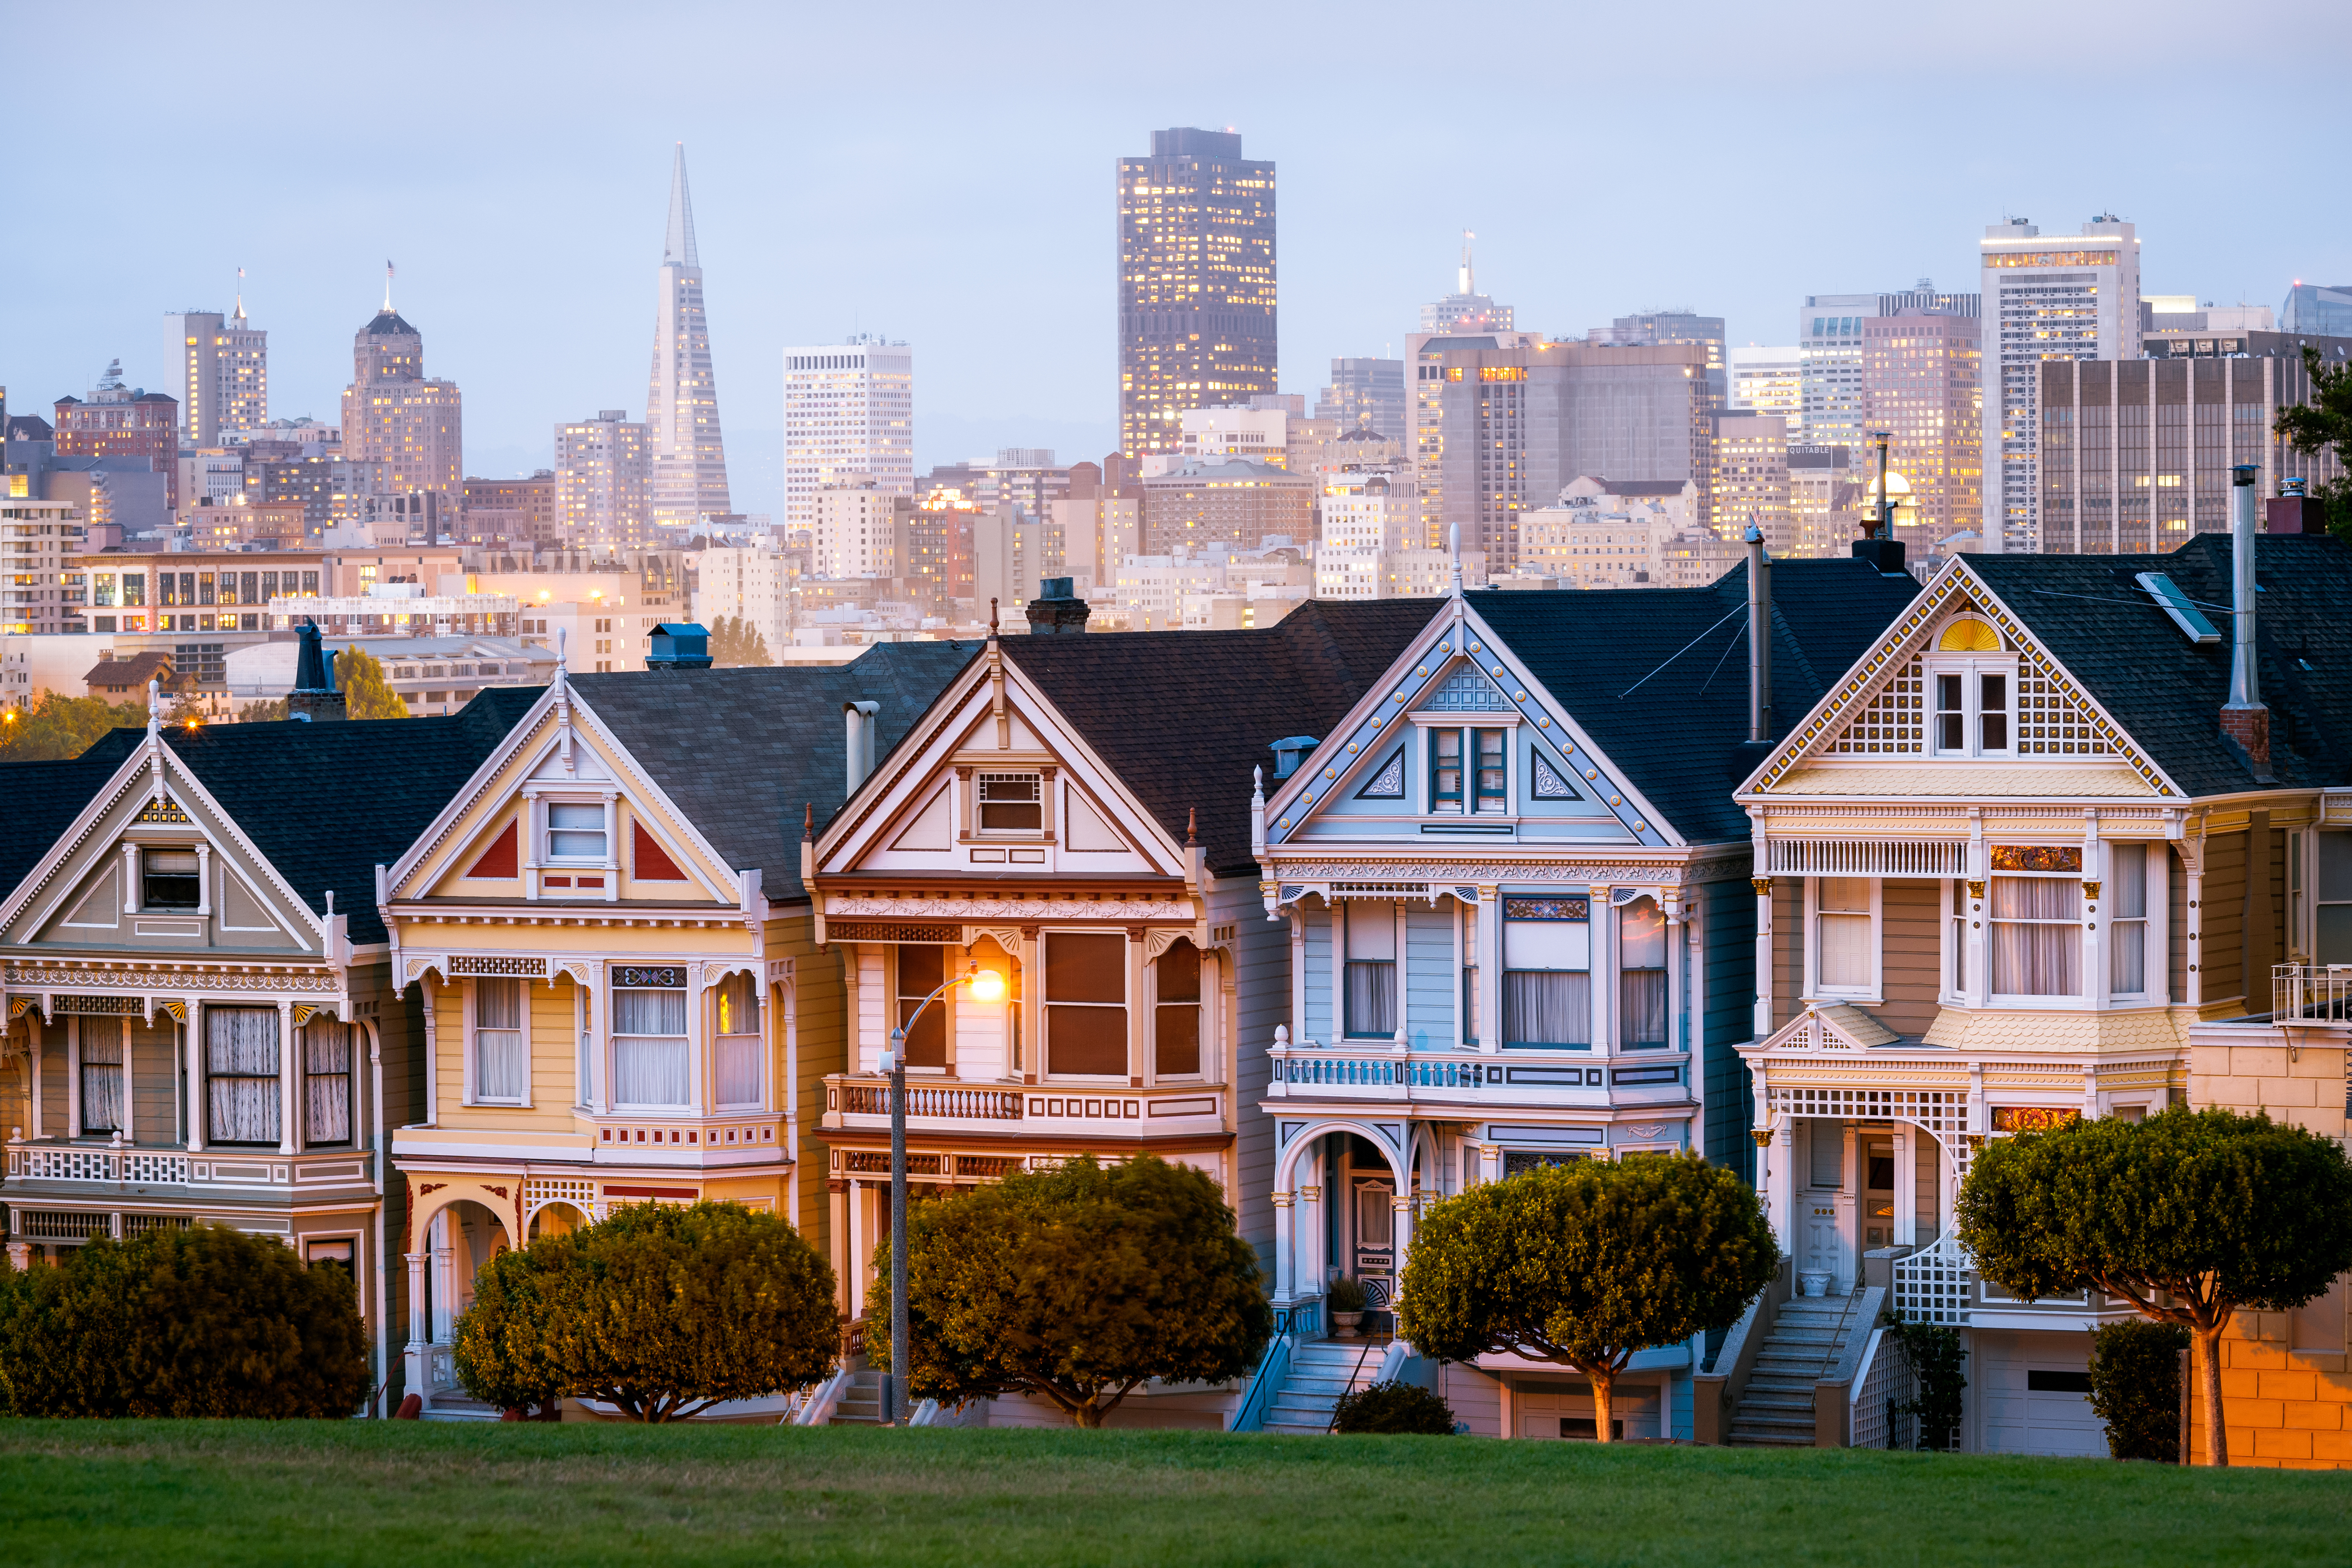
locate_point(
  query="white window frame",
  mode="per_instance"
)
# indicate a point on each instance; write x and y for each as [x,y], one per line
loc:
[761,1074]
[2083,1000]
[1873,993]
[691,1105]
[1209,991]
[546,831]
[473,1084]
[1971,668]
[2152,957]
[980,805]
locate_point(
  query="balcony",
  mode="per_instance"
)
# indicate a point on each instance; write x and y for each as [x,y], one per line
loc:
[2311,994]
[1467,1079]
[53,1168]
[862,1102]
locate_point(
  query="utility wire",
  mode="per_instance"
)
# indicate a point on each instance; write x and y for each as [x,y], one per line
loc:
[1678,654]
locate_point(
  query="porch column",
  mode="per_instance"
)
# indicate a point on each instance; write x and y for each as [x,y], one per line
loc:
[853,1276]
[1763,1022]
[1783,1196]
[419,1301]
[197,1122]
[1677,1036]
[1906,1186]
[444,1279]
[1282,1247]
[1490,969]
[290,1067]
[1307,1262]
[1403,1205]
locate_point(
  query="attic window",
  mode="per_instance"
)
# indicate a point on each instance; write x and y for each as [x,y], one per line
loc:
[170,879]
[1012,803]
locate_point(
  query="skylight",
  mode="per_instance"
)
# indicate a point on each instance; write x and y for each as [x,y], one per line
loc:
[2179,605]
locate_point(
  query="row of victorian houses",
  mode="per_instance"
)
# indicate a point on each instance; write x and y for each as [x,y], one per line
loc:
[1822,876]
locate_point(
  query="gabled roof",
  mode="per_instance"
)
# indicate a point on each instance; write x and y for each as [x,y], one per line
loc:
[1680,736]
[2167,692]
[136,670]
[744,753]
[44,798]
[1181,718]
[326,803]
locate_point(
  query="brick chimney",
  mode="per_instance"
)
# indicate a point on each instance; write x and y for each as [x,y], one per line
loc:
[1056,608]
[2244,719]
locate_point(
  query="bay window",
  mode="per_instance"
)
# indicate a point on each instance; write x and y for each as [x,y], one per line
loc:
[1642,975]
[1371,948]
[650,1050]
[241,1075]
[1176,1011]
[921,968]
[502,1044]
[1086,1003]
[1548,973]
[327,1081]
[2037,936]
[740,1038]
[2127,918]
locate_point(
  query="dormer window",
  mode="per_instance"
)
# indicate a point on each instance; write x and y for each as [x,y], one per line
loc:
[170,879]
[575,831]
[1012,803]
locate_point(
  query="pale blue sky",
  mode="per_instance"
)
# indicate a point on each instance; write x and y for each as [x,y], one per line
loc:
[943,174]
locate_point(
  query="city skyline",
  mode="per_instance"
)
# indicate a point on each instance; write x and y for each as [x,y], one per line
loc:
[822,230]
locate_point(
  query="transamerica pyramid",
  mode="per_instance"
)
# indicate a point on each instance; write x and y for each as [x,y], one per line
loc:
[689,456]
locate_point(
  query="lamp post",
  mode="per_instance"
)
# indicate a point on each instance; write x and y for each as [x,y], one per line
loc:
[987,985]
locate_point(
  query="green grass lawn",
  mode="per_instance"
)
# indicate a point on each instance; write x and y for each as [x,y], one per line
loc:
[197,1492]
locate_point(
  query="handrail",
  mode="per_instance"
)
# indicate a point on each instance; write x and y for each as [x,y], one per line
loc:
[1273,1368]
[1354,1372]
[819,1408]
[1734,1360]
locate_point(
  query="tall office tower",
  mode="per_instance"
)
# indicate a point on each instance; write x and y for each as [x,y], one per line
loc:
[1751,478]
[1196,283]
[393,414]
[1366,394]
[689,458]
[849,409]
[1921,377]
[1824,501]
[1425,446]
[1829,346]
[223,373]
[1520,423]
[2318,312]
[2073,296]
[1766,380]
[603,481]
[1465,309]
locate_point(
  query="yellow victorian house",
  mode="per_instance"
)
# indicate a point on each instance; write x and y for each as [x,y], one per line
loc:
[622,999]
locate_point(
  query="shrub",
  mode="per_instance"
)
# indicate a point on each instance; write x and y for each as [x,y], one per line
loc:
[1345,1294]
[1393,1407]
[661,1310]
[206,1322]
[2136,1387]
[1934,1355]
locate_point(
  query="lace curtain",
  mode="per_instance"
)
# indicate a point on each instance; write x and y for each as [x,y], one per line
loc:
[649,1048]
[2127,918]
[327,1081]
[2037,936]
[101,1074]
[241,1072]
[501,1049]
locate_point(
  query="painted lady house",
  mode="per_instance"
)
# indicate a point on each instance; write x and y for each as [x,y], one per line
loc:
[1073,813]
[2066,826]
[1514,888]
[201,1023]
[622,1000]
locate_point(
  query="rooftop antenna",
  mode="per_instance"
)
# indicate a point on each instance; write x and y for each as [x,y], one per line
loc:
[387,288]
[240,293]
[1469,273]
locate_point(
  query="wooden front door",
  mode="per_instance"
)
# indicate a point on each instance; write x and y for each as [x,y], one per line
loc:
[1374,1214]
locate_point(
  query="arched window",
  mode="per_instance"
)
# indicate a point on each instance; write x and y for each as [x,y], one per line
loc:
[1176,1011]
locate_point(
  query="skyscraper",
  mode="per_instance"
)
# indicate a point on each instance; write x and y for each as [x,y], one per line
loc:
[1366,393]
[1920,381]
[1657,329]
[602,477]
[849,409]
[393,414]
[2046,297]
[689,456]
[1196,283]
[1829,347]
[223,372]
[1465,309]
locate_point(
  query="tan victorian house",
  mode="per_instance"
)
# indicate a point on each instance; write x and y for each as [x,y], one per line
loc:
[622,998]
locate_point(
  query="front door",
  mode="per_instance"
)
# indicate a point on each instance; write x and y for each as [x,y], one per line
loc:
[1877,1193]
[1375,1258]
[1818,1252]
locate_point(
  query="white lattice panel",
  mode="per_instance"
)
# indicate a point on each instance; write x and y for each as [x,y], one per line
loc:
[580,1191]
[1944,1112]
[1934,1286]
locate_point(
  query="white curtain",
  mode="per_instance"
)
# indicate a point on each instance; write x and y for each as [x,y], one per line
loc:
[2037,936]
[649,1048]
[327,1081]
[1642,1006]
[739,1040]
[1546,1007]
[241,1067]
[101,1074]
[501,1052]
[1371,997]
[2127,918]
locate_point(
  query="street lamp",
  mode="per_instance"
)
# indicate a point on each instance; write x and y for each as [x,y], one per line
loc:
[987,985]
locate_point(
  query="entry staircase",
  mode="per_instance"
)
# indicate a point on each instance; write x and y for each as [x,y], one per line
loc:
[1320,1371]
[1775,1411]
[861,1402]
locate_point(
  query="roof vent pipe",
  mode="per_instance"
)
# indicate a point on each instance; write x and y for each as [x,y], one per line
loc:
[1759,639]
[860,717]
[2245,720]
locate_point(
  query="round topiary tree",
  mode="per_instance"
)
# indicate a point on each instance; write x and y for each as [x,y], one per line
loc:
[2188,1215]
[660,1310]
[206,1322]
[1584,1264]
[1393,1408]
[1078,1285]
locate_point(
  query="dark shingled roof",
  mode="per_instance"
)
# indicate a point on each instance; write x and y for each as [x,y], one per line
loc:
[2166,691]
[1680,737]
[327,802]
[1182,717]
[386,322]
[743,752]
[40,800]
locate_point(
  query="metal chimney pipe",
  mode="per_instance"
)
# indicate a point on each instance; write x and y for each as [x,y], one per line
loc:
[859,741]
[1759,639]
[2245,683]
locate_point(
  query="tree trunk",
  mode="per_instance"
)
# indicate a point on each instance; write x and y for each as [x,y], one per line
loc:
[1603,1388]
[2205,1354]
[1087,1415]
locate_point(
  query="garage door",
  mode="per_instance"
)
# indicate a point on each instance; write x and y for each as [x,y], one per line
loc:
[1566,1410]
[2035,1391]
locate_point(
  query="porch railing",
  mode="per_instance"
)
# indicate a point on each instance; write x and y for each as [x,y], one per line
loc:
[2311,992]
[1936,1284]
[1291,1323]
[97,1164]
[961,1104]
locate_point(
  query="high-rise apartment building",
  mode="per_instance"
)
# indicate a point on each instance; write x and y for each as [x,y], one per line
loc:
[223,373]
[1425,447]
[521,512]
[1763,379]
[394,415]
[2318,312]
[1751,478]
[1366,394]
[1196,283]
[857,522]
[1024,477]
[849,409]
[1829,347]
[1922,377]
[688,456]
[119,421]
[1235,503]
[751,584]
[602,473]
[2046,297]
[1465,309]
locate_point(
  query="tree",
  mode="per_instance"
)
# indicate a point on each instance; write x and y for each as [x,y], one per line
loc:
[2188,1215]
[1584,1264]
[271,711]
[661,1310]
[2326,421]
[359,676]
[206,1322]
[57,726]
[1077,1285]
[735,642]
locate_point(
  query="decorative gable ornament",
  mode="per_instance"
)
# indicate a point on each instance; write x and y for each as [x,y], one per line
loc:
[165,811]
[1547,782]
[1467,692]
[1388,781]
